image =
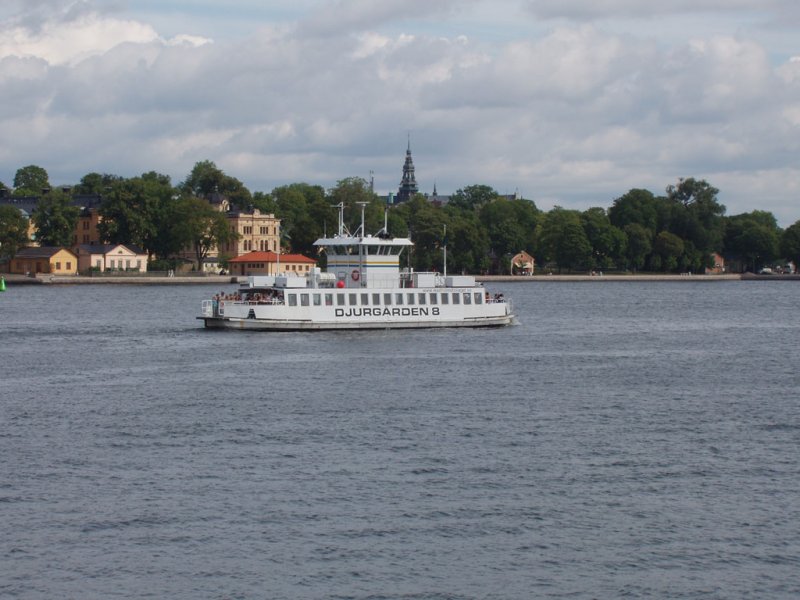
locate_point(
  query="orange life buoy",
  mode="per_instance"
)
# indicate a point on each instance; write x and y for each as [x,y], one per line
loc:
[355,275]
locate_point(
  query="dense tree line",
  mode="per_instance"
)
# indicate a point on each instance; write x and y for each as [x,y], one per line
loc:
[675,232]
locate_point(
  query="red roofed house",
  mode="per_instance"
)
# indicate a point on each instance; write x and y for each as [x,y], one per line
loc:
[269,263]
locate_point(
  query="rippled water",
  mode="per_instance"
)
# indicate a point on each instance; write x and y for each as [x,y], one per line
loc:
[623,440]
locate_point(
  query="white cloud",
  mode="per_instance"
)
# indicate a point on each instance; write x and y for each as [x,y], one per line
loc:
[575,116]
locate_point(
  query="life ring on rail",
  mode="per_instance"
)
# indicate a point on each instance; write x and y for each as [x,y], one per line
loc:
[355,275]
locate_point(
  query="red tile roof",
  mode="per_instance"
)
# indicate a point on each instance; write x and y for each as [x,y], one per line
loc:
[271,257]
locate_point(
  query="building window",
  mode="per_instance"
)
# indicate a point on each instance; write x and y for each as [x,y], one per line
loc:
[69,266]
[58,266]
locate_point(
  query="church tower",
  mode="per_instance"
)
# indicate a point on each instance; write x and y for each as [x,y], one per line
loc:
[408,186]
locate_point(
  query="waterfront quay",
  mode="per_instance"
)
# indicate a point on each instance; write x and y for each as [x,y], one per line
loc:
[200,279]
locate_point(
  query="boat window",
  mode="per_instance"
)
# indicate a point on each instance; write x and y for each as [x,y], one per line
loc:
[339,299]
[303,299]
[292,299]
[456,298]
[398,299]
[467,298]
[376,299]
[422,298]
[410,298]
[387,299]
[445,298]
[478,298]
[364,299]
[328,299]
[317,299]
[433,297]
[353,299]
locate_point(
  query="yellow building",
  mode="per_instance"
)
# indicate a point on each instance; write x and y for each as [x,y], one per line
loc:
[45,259]
[257,232]
[86,231]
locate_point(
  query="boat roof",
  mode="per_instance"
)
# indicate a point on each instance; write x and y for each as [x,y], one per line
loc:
[349,240]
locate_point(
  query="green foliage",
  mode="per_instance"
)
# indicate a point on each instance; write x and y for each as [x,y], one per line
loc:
[13,231]
[790,243]
[607,241]
[31,181]
[669,248]
[134,210]
[563,240]
[639,245]
[54,219]
[206,178]
[472,197]
[194,223]
[753,239]
[95,183]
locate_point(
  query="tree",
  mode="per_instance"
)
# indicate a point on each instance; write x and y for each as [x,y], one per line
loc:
[206,178]
[638,246]
[13,231]
[351,191]
[607,241]
[563,240]
[472,197]
[95,183]
[133,212]
[752,238]
[195,224]
[31,181]
[669,249]
[55,219]
[510,225]
[697,216]
[636,206]
[790,243]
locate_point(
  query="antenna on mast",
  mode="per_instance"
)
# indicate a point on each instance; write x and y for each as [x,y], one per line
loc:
[361,229]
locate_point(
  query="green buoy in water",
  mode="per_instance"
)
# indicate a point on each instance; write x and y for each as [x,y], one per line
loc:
[2,284]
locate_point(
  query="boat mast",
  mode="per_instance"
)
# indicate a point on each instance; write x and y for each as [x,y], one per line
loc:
[444,249]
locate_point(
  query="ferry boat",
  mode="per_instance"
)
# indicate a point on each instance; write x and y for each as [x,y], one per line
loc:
[363,287]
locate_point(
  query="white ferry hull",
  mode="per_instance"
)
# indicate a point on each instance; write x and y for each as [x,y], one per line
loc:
[297,325]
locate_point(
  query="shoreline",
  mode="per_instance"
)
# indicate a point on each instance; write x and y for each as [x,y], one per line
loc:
[44,279]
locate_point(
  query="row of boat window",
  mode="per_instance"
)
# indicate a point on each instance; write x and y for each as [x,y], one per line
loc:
[386,299]
[351,250]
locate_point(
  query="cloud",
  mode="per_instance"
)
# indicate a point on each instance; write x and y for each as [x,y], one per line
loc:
[574,115]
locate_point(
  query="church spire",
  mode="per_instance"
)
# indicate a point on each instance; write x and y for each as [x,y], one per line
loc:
[408,186]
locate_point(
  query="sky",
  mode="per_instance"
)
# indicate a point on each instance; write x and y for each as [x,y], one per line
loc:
[568,102]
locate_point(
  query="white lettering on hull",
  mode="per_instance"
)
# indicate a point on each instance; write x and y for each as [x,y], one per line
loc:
[386,312]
